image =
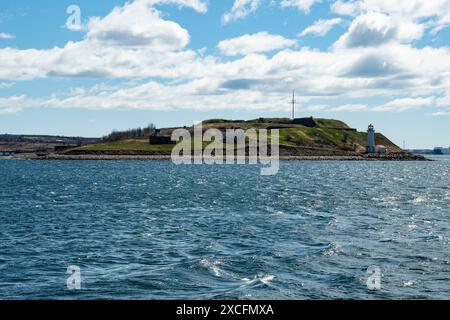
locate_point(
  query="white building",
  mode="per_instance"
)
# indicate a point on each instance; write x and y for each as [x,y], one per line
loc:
[382,149]
[371,145]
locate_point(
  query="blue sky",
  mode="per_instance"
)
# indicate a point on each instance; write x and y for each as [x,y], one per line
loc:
[175,62]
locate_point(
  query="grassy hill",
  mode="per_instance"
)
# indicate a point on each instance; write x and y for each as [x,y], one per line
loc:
[325,137]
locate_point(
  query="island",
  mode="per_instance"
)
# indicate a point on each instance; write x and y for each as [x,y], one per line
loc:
[300,139]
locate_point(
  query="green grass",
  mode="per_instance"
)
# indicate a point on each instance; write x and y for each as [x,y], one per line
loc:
[331,123]
[293,137]
[124,145]
[325,138]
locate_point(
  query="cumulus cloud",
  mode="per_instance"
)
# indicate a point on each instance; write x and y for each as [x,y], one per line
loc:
[373,65]
[137,24]
[259,82]
[132,40]
[410,8]
[201,94]
[303,5]
[375,29]
[321,27]
[436,11]
[344,8]
[254,43]
[241,9]
[122,48]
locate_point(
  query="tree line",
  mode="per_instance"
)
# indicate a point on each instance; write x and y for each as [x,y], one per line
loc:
[137,133]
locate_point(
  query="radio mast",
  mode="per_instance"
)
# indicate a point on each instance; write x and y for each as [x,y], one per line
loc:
[293,102]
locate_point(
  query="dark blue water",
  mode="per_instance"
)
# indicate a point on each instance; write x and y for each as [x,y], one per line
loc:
[152,230]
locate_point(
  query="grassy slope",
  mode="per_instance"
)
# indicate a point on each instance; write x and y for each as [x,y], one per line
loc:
[122,147]
[295,140]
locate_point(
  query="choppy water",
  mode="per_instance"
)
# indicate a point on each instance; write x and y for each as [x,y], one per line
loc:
[152,230]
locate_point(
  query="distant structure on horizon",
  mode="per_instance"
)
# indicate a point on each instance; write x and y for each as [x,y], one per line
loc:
[293,102]
[371,146]
[441,150]
[156,138]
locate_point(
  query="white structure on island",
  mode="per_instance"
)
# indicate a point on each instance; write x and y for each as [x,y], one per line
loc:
[371,146]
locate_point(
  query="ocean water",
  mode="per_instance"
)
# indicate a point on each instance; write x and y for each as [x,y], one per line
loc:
[153,230]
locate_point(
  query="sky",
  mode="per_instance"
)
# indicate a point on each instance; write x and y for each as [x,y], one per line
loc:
[85,68]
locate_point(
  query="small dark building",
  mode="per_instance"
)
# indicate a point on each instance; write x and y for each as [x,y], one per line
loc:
[307,122]
[156,138]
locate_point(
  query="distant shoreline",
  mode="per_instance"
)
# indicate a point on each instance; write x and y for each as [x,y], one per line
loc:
[309,139]
[105,157]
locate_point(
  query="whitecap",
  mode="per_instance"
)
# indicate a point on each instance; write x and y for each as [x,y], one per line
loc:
[263,278]
[419,199]
[334,249]
[408,283]
[212,266]
[266,279]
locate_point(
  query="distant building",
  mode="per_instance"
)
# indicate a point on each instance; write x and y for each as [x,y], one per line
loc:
[307,122]
[440,150]
[371,146]
[156,138]
[420,151]
[382,149]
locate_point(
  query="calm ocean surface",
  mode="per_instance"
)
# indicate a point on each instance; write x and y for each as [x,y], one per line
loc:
[153,230]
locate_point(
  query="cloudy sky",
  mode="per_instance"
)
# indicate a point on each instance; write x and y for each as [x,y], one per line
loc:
[124,64]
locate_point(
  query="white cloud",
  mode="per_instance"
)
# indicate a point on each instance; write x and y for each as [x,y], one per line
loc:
[122,48]
[12,104]
[131,41]
[403,104]
[350,108]
[241,9]
[197,5]
[304,5]
[410,8]
[254,43]
[198,94]
[6,85]
[258,82]
[441,114]
[137,24]
[6,36]
[436,11]
[375,29]
[344,8]
[321,27]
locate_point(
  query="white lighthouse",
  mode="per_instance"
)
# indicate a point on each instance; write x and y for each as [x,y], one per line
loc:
[371,148]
